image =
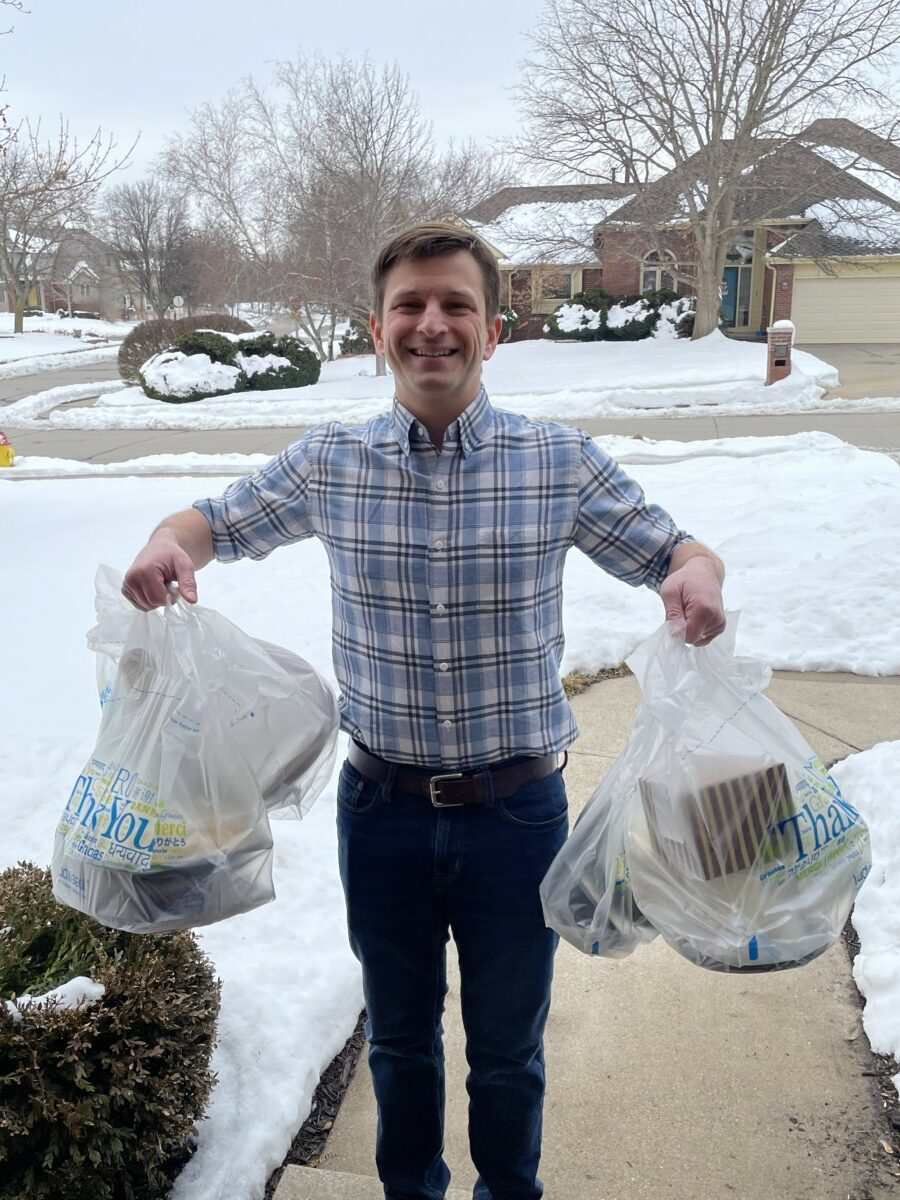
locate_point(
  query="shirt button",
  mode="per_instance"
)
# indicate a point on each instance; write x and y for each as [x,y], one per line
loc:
[440,609]
[440,485]
[420,430]
[443,666]
[447,724]
[438,545]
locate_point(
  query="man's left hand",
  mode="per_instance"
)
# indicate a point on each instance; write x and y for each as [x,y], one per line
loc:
[692,593]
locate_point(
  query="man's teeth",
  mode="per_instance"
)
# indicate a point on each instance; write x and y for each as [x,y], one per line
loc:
[432,353]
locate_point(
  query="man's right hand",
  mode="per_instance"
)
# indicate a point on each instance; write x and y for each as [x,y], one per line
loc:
[161,563]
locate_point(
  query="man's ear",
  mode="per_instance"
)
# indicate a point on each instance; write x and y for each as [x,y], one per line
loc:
[494,329]
[376,331]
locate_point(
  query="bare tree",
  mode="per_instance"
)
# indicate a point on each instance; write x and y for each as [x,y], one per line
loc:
[146,223]
[311,174]
[700,92]
[46,188]
[7,134]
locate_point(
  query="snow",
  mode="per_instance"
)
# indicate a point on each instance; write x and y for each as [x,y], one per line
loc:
[548,231]
[79,992]
[805,524]
[875,225]
[868,780]
[257,364]
[48,343]
[542,378]
[177,374]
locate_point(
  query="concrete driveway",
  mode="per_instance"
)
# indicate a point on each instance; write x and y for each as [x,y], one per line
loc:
[866,368]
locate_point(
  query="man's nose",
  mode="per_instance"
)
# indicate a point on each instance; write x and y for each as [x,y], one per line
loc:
[432,321]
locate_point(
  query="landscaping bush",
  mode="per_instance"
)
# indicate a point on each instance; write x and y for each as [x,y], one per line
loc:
[595,316]
[152,337]
[299,368]
[205,363]
[583,318]
[97,1102]
[357,340]
[631,319]
[510,319]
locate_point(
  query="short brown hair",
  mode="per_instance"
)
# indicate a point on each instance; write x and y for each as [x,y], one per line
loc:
[429,238]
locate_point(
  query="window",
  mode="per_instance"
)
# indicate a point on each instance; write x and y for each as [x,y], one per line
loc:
[654,275]
[84,289]
[556,285]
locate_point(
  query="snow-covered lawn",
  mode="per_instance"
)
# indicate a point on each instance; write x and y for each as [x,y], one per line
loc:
[48,342]
[54,326]
[560,380]
[806,526]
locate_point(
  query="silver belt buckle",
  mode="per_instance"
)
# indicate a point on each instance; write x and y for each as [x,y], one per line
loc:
[435,790]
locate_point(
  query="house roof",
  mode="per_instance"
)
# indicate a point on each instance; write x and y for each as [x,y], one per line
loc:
[842,230]
[489,209]
[546,231]
[785,180]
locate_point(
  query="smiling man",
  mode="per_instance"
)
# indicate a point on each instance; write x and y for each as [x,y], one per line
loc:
[447,523]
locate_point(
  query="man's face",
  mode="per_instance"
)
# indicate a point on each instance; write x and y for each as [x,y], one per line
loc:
[433,330]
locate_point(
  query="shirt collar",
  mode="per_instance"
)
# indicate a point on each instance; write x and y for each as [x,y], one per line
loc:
[475,424]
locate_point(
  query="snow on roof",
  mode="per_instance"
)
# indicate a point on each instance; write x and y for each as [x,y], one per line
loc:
[546,232]
[873,225]
[866,170]
[81,268]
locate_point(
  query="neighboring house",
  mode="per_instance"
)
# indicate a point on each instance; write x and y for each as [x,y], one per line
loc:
[820,243]
[79,272]
[544,239]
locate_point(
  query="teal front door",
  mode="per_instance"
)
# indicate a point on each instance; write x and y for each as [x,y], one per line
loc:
[729,296]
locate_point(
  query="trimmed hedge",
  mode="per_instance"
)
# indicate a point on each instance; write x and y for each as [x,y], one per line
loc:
[595,316]
[151,337]
[303,364]
[594,300]
[98,1102]
[300,368]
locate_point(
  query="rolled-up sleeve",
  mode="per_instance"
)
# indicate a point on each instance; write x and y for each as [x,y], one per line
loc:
[616,527]
[264,510]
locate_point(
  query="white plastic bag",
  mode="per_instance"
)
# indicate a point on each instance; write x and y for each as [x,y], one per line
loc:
[289,736]
[586,894]
[740,849]
[166,827]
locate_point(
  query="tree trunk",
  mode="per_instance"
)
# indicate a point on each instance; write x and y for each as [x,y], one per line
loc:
[709,278]
[380,365]
[19,318]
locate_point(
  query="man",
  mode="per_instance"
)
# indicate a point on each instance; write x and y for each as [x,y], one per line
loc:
[446,525]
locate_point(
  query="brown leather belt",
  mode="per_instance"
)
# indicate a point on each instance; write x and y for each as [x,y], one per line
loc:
[451,789]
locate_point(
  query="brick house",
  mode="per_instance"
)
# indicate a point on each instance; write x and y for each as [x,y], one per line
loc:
[545,242]
[820,243]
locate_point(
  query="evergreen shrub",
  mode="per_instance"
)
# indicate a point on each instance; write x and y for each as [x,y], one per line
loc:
[357,340]
[583,317]
[152,337]
[510,319]
[98,1102]
[245,353]
[302,367]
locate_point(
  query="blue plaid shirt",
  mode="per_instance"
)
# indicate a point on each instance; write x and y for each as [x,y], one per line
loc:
[446,569]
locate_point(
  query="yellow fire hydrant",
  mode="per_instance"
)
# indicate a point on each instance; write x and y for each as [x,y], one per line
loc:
[7,454]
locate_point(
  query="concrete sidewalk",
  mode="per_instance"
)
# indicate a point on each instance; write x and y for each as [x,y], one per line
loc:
[667,1081]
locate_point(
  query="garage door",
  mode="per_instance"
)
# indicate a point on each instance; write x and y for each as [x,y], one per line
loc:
[847,310]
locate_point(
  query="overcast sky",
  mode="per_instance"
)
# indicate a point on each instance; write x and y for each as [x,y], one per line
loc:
[141,67]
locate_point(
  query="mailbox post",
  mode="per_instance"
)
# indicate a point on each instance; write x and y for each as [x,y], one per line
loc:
[780,338]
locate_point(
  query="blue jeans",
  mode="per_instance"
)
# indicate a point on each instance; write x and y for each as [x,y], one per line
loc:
[411,874]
